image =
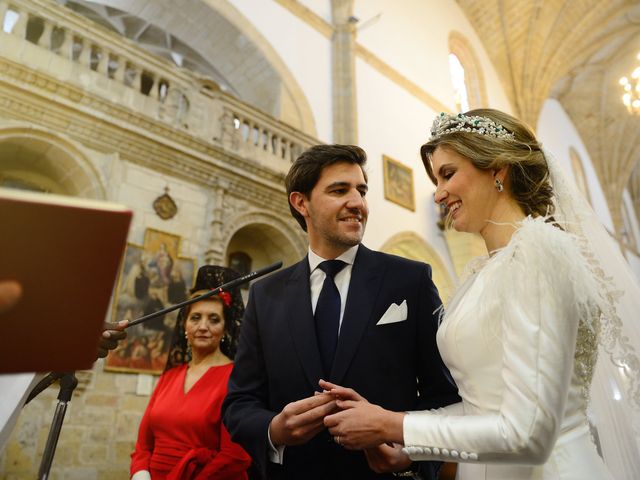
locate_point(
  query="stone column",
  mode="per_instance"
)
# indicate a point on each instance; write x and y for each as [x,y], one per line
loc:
[215,253]
[345,113]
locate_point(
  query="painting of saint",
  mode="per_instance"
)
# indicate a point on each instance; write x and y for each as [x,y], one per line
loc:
[153,277]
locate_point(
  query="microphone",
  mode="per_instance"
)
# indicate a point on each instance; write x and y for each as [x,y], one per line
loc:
[227,286]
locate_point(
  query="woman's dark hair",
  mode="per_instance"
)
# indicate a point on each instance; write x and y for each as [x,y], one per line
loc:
[208,278]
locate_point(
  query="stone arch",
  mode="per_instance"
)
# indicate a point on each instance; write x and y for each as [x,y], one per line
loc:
[473,76]
[41,160]
[265,238]
[411,245]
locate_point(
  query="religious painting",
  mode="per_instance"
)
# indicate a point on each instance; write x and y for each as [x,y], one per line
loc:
[398,183]
[153,276]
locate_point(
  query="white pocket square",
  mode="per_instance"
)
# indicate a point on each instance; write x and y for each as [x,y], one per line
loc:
[395,313]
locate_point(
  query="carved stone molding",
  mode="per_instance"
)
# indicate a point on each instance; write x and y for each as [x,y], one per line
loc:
[192,159]
[215,252]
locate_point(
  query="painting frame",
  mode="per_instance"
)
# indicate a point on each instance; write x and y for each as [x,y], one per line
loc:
[152,276]
[398,183]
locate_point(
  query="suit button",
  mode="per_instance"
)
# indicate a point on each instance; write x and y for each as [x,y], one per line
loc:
[454,453]
[435,450]
[445,452]
[473,456]
[464,455]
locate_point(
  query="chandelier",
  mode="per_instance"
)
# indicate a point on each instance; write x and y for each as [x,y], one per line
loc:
[631,96]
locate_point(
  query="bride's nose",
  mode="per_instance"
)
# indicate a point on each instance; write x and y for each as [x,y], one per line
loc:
[440,196]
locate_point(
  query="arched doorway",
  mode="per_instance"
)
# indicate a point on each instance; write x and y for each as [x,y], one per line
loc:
[411,245]
[34,159]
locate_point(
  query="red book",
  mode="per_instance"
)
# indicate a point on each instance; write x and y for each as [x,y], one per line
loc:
[65,252]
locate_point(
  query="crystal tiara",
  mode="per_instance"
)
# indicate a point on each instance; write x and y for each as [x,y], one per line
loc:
[445,124]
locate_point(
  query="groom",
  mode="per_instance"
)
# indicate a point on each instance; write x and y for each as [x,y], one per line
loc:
[365,321]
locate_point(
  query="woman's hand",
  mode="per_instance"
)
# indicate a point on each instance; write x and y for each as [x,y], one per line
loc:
[387,458]
[341,393]
[360,424]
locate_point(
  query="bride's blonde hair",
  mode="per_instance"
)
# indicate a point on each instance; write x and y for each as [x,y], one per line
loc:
[528,173]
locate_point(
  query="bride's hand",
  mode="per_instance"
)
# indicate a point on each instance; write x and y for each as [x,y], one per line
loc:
[360,424]
[341,393]
[357,426]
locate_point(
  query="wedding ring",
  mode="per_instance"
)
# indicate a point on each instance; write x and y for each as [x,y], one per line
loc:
[337,440]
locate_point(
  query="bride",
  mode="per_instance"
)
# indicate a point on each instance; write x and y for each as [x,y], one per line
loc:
[520,336]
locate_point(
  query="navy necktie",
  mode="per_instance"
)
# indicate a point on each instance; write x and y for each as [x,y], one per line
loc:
[327,315]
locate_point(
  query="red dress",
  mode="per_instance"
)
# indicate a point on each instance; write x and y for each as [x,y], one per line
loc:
[181,435]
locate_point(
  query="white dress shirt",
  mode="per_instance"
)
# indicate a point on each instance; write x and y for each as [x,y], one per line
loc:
[316,280]
[342,278]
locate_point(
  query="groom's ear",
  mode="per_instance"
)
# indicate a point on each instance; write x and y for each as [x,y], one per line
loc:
[299,202]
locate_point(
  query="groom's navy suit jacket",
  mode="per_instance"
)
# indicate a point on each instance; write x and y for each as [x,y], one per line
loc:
[395,365]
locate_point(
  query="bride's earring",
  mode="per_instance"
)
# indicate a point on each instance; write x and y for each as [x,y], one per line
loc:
[499,185]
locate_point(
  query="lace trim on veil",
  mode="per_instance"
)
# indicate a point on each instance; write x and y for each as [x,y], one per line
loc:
[610,271]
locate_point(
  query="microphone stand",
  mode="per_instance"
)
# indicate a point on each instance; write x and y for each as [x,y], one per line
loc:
[68,380]
[68,383]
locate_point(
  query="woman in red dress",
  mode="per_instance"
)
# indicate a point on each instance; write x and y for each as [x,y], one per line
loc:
[181,435]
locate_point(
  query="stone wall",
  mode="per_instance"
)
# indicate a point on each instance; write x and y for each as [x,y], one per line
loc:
[98,433]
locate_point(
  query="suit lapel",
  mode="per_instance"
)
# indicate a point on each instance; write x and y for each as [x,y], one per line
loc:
[366,279]
[301,323]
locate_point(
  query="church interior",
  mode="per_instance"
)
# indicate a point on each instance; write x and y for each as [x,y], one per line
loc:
[190,112]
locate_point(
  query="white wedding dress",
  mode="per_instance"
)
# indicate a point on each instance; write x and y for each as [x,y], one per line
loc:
[519,340]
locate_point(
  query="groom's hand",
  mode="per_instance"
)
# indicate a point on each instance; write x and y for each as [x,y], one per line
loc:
[300,421]
[387,458]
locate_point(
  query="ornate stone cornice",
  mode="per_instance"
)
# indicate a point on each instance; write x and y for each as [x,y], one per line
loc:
[104,126]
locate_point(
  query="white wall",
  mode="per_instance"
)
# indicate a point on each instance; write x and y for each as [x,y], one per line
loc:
[305,51]
[139,187]
[412,37]
[558,134]
[395,124]
[321,8]
[633,225]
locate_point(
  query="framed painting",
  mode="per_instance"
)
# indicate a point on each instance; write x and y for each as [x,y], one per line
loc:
[153,276]
[398,183]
